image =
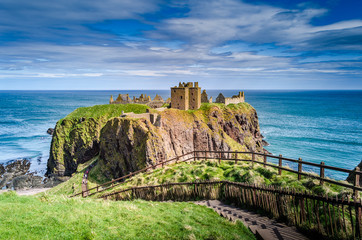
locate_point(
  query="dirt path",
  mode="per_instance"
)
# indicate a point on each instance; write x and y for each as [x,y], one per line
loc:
[31,191]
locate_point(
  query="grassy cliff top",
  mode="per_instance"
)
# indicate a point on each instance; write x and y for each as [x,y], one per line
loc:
[115,110]
[106,110]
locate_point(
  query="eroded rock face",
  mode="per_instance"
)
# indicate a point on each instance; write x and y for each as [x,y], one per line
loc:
[127,145]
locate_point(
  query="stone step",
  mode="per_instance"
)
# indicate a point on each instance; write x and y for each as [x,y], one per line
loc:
[263,227]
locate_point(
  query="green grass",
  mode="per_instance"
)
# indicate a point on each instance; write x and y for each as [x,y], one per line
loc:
[59,217]
[107,111]
[227,170]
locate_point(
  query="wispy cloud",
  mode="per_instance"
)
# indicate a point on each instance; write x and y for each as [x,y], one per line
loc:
[148,40]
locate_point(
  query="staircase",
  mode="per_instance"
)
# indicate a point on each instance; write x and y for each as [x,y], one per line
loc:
[263,227]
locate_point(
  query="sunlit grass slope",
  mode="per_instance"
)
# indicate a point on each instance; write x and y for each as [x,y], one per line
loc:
[56,217]
[227,170]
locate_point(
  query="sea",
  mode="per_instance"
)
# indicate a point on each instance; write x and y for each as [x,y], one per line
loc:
[313,125]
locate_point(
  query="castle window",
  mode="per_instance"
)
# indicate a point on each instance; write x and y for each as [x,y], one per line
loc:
[174,90]
[181,97]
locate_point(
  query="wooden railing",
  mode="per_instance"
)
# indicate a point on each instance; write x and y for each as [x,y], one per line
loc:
[318,216]
[115,182]
[233,156]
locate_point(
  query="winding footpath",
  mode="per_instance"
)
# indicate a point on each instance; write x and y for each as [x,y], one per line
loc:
[263,227]
[85,179]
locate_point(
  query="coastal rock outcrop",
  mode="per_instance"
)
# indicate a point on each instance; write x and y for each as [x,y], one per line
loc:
[16,175]
[50,131]
[127,144]
[352,176]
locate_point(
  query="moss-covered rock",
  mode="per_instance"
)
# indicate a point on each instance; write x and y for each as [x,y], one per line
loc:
[76,137]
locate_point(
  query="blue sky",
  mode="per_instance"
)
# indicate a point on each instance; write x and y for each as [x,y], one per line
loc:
[153,44]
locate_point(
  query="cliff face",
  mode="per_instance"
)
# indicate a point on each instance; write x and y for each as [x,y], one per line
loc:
[74,141]
[129,144]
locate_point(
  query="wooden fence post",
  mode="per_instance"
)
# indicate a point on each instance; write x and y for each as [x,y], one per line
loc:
[356,182]
[205,155]
[280,164]
[220,158]
[358,217]
[236,157]
[322,173]
[252,158]
[264,161]
[300,166]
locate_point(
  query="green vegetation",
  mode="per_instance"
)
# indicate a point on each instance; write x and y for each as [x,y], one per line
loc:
[59,217]
[107,111]
[227,170]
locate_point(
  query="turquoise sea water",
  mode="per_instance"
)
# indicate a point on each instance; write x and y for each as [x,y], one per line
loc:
[314,125]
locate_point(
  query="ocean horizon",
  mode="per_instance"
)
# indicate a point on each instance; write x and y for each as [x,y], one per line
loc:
[315,125]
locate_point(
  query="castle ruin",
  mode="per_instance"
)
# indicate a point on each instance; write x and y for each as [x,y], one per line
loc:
[157,102]
[205,98]
[186,96]
[234,99]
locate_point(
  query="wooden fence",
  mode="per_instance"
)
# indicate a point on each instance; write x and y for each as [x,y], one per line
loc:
[318,216]
[237,156]
[115,182]
[233,156]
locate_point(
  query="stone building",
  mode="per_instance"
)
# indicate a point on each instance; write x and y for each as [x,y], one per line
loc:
[186,96]
[205,98]
[121,99]
[234,99]
[157,102]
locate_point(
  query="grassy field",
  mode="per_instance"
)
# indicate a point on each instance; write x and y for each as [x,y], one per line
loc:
[59,217]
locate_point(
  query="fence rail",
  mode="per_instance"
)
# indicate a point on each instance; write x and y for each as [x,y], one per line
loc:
[233,156]
[316,215]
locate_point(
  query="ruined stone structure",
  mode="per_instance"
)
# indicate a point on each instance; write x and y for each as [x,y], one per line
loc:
[121,99]
[186,96]
[205,98]
[234,99]
[157,102]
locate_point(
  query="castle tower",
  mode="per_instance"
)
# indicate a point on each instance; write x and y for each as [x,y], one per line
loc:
[194,96]
[111,100]
[180,97]
[186,96]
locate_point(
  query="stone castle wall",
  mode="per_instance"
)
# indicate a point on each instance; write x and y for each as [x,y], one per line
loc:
[186,96]
[195,98]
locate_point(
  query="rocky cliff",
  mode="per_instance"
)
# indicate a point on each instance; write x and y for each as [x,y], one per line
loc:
[126,144]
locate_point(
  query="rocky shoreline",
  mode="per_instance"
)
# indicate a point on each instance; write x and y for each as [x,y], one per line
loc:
[15,175]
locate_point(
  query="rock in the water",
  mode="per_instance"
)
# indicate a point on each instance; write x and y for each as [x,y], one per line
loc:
[50,131]
[15,175]
[351,177]
[265,143]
